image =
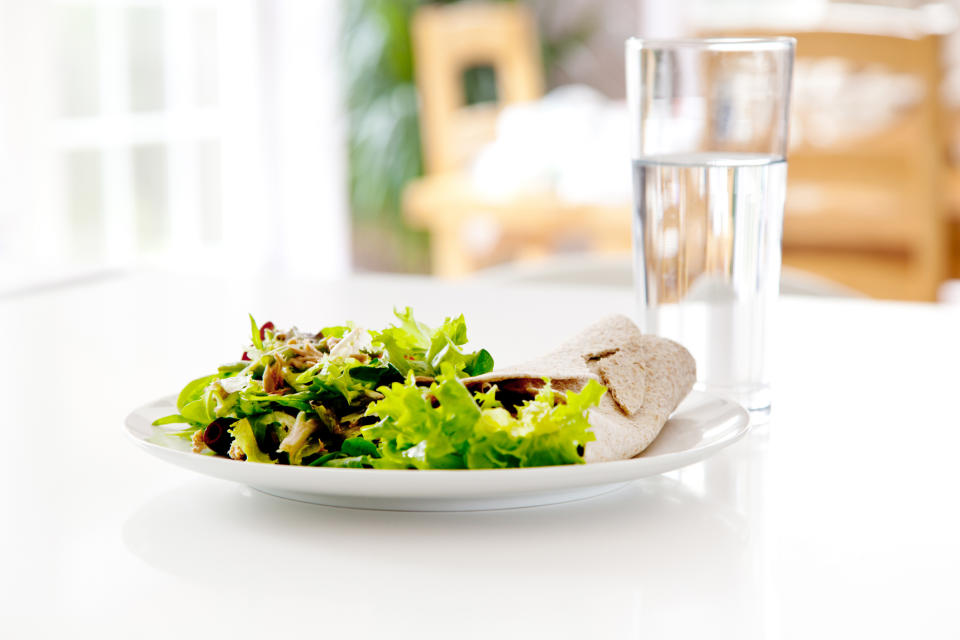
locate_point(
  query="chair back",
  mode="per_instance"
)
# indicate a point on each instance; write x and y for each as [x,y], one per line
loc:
[866,160]
[449,40]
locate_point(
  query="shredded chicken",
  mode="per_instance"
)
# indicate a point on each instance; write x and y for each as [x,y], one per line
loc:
[197,440]
[299,363]
[236,452]
[294,442]
[354,342]
[273,378]
[306,349]
[307,354]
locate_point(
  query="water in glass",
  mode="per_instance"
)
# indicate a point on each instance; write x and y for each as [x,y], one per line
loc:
[708,231]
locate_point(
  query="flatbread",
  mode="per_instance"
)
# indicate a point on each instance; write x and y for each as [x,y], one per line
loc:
[625,376]
[571,360]
[645,381]
[646,378]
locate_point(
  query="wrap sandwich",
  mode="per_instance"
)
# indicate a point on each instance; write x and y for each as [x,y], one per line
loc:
[646,378]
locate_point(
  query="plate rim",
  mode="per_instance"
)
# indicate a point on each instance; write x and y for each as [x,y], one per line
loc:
[613,468]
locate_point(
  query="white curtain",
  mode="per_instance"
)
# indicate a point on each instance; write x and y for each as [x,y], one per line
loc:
[178,133]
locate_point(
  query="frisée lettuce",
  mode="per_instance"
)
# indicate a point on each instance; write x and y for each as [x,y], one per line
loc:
[446,426]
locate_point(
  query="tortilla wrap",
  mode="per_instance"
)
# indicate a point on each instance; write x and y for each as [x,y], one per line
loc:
[646,378]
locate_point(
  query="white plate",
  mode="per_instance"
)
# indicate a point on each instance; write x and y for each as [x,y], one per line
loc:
[700,426]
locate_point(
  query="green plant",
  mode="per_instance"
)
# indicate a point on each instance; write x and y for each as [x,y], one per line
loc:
[384,151]
[384,137]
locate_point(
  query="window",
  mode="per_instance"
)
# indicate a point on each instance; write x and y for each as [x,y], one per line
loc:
[144,129]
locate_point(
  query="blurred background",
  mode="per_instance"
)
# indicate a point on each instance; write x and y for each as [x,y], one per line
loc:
[324,137]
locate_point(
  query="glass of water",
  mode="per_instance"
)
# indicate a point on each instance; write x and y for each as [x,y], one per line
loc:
[709,139]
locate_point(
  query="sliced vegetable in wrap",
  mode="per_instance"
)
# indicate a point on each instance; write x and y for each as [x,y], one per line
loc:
[446,426]
[647,377]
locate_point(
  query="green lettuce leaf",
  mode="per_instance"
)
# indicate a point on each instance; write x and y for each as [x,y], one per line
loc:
[376,376]
[192,404]
[243,435]
[255,332]
[197,413]
[358,447]
[337,331]
[479,363]
[352,462]
[171,419]
[194,390]
[335,376]
[445,426]
[413,346]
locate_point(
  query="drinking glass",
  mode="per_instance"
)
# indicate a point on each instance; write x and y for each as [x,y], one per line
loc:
[709,138]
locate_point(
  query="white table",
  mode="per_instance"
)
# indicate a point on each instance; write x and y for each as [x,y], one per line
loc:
[838,519]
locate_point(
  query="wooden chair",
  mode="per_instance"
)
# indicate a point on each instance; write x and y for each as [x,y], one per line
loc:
[952,193]
[448,40]
[869,211]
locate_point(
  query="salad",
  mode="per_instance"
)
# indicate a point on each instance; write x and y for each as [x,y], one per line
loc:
[397,398]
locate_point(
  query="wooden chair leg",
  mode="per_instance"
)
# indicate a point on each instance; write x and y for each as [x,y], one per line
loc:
[449,255]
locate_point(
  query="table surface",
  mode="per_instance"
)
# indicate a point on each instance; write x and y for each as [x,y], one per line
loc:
[837,519]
